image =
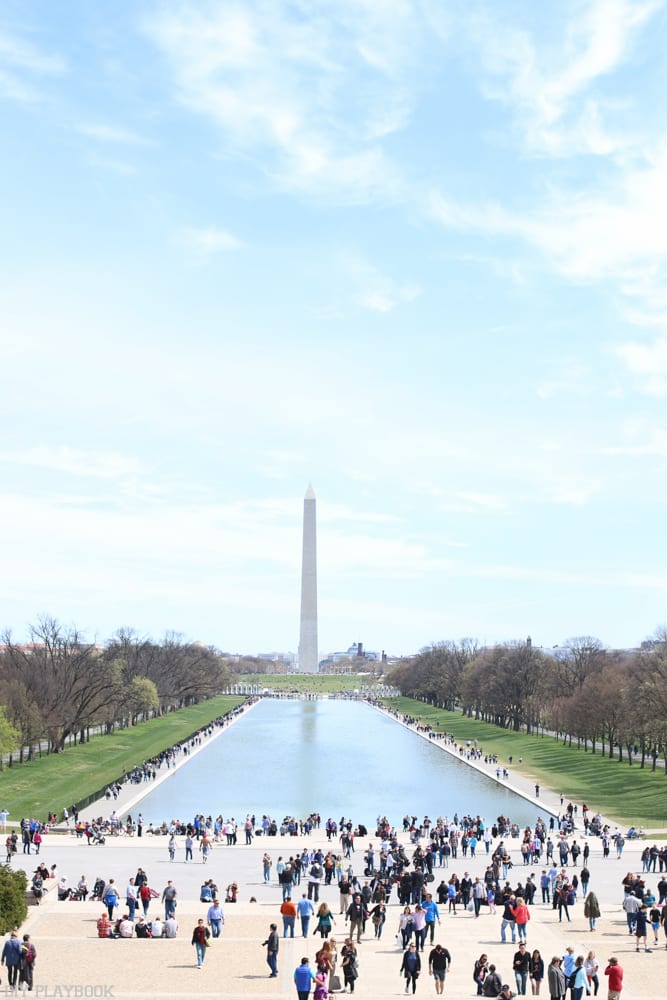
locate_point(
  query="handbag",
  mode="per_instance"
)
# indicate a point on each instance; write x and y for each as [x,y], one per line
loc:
[334,984]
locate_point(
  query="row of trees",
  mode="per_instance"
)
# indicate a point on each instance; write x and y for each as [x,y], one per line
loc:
[59,686]
[612,702]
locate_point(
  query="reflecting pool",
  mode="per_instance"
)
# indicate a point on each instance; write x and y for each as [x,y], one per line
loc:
[338,758]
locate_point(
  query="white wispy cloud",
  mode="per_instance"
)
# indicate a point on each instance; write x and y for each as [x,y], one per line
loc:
[96,464]
[546,81]
[208,239]
[289,89]
[111,134]
[616,231]
[376,290]
[23,64]
[648,363]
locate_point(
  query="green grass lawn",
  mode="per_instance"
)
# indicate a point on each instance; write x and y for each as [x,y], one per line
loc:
[55,782]
[625,794]
[313,683]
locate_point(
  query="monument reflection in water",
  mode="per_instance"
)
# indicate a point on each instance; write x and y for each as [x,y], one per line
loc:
[338,758]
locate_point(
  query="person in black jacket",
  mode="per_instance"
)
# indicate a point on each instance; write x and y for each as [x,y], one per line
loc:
[521,966]
[272,944]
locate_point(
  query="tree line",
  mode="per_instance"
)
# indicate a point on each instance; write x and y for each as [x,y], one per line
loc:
[609,701]
[58,686]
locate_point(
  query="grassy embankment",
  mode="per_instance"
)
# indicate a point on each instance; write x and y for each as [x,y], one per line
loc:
[312,683]
[53,782]
[626,794]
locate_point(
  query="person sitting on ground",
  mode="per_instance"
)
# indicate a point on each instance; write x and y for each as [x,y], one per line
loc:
[37,887]
[124,927]
[142,929]
[506,993]
[493,984]
[170,929]
[157,927]
[104,929]
[63,889]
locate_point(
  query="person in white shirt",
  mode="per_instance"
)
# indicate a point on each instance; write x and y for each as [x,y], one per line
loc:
[156,928]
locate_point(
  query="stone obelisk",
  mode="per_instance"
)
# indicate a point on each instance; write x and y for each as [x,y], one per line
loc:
[308,654]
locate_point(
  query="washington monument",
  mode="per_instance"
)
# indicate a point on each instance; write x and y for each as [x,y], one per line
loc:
[308,654]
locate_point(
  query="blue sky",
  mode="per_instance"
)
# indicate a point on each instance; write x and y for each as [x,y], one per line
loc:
[414,253]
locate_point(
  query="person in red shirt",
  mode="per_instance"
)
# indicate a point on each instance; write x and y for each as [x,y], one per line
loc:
[615,974]
[288,911]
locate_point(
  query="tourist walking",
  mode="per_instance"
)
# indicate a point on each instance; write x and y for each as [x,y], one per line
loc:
[169,899]
[200,936]
[521,916]
[303,979]
[350,964]
[419,921]
[432,913]
[28,959]
[614,973]
[439,962]
[145,895]
[110,898]
[305,910]
[405,926]
[288,913]
[579,979]
[591,967]
[266,866]
[215,918]
[325,919]
[320,992]
[536,972]
[11,957]
[411,967]
[378,916]
[641,927]
[556,979]
[272,944]
[521,966]
[591,909]
[356,914]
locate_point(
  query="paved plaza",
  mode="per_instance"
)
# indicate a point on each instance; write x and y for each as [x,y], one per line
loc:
[71,955]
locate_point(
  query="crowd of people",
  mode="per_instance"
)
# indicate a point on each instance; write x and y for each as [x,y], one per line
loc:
[397,870]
